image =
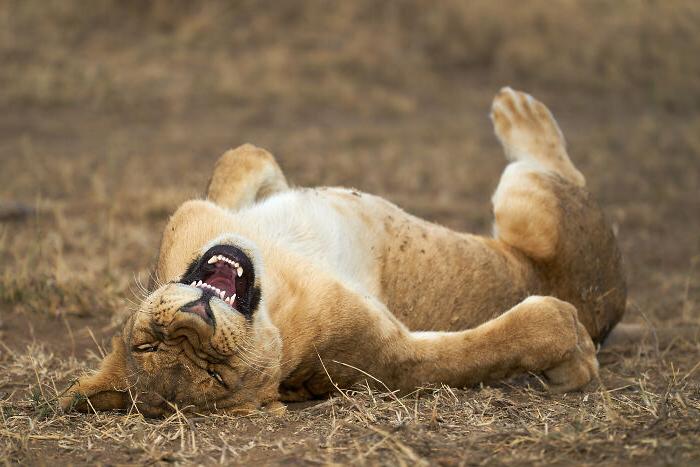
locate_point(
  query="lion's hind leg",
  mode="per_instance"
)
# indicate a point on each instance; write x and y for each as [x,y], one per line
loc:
[526,211]
[525,206]
[542,209]
[528,132]
[243,176]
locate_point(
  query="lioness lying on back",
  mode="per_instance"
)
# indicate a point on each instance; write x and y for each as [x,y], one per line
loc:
[276,294]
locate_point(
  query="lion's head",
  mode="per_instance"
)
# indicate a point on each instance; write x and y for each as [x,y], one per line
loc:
[202,341]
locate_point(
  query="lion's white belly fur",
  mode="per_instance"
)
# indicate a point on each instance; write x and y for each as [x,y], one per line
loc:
[310,224]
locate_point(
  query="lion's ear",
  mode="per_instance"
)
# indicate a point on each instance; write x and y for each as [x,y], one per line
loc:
[104,390]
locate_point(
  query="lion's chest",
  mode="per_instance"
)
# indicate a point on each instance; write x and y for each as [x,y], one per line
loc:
[327,228]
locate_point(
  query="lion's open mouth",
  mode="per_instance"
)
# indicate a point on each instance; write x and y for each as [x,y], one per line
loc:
[226,272]
[222,281]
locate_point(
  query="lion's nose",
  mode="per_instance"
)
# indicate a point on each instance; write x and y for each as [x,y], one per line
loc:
[201,308]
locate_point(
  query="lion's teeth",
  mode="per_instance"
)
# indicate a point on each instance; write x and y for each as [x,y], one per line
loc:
[193,283]
[240,271]
[199,283]
[222,294]
[233,299]
[226,260]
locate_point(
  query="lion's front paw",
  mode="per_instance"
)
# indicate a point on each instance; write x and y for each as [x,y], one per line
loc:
[556,343]
[578,369]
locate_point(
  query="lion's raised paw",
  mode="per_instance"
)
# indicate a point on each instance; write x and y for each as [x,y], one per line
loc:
[528,131]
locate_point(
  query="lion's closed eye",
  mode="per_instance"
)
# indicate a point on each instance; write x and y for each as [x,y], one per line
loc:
[147,347]
[217,377]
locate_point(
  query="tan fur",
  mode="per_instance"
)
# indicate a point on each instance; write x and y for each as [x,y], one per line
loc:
[353,286]
[245,175]
[108,387]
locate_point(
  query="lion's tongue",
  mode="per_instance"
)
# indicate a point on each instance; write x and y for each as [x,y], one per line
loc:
[222,279]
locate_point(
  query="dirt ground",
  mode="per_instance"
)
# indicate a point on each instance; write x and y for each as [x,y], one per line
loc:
[114,112]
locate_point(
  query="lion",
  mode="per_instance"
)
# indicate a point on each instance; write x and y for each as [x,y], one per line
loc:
[271,294]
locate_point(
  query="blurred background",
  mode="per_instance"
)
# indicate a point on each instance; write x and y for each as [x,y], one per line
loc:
[114,112]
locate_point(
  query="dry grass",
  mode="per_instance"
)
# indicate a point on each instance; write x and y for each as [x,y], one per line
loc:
[632,416]
[116,111]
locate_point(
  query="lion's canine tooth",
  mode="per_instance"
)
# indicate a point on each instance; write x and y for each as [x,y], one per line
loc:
[233,299]
[212,260]
[193,283]
[240,271]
